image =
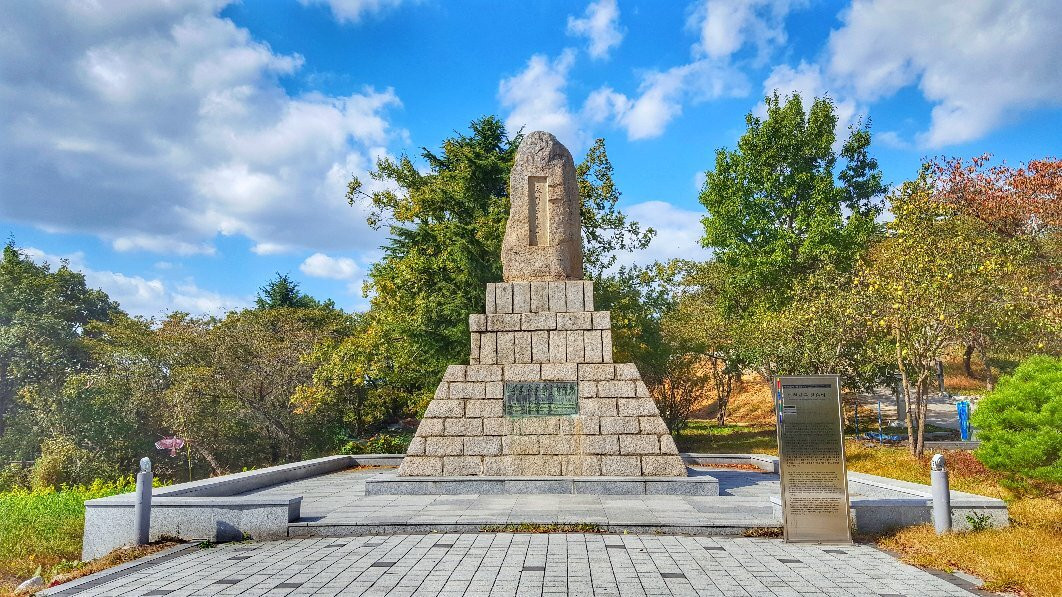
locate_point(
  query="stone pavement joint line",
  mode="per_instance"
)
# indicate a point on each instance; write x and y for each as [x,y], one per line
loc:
[485,564]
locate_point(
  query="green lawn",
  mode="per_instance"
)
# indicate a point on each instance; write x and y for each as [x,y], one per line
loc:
[44,528]
[704,436]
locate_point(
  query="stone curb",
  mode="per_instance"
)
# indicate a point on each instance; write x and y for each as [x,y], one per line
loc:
[103,576]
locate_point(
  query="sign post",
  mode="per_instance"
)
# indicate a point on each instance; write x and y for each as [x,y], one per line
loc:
[815,506]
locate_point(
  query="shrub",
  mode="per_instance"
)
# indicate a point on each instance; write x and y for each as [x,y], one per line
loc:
[64,463]
[381,443]
[1020,422]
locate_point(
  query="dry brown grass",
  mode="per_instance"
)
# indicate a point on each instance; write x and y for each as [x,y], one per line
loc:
[115,558]
[1025,557]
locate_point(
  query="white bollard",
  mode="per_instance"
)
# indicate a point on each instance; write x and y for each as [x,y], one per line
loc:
[941,494]
[142,508]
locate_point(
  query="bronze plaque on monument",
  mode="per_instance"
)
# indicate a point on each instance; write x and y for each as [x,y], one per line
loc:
[541,398]
[811,451]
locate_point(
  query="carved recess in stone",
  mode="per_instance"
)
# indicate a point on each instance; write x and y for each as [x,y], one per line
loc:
[543,238]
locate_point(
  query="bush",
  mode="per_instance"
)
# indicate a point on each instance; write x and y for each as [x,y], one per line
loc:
[381,443]
[64,463]
[1020,422]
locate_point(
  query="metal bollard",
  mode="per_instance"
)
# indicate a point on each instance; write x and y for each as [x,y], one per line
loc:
[941,495]
[142,508]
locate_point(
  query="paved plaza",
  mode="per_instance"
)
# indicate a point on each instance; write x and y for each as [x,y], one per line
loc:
[523,564]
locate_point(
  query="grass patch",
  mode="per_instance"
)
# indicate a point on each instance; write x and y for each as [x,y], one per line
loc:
[530,527]
[44,528]
[704,436]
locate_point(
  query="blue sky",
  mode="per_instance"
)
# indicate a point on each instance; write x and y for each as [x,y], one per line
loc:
[180,153]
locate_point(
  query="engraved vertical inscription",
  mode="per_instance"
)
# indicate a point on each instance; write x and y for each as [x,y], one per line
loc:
[537,211]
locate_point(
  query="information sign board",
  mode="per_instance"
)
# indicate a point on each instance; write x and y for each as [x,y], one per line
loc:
[815,503]
[541,398]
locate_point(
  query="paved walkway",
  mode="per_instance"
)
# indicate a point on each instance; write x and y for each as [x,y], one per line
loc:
[485,564]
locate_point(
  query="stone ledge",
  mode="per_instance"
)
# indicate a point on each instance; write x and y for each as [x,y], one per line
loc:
[703,485]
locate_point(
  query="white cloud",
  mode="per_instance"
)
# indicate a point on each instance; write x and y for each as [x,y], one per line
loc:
[351,11]
[538,101]
[320,265]
[662,95]
[600,26]
[727,26]
[143,296]
[678,233]
[158,126]
[980,63]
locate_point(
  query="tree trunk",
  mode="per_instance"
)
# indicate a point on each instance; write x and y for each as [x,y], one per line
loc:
[967,366]
[923,411]
[209,457]
[990,379]
[906,393]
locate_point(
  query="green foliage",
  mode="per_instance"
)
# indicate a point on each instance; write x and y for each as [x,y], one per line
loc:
[381,443]
[776,212]
[64,463]
[1019,422]
[283,293]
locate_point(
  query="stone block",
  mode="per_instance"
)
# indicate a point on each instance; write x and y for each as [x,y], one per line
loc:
[641,390]
[636,444]
[520,444]
[536,426]
[538,321]
[445,408]
[636,407]
[556,444]
[416,447]
[495,390]
[652,425]
[581,466]
[492,306]
[483,373]
[667,445]
[503,297]
[483,446]
[455,373]
[477,322]
[592,346]
[601,444]
[558,347]
[521,297]
[473,348]
[442,391]
[663,466]
[612,389]
[524,372]
[606,346]
[574,346]
[584,425]
[422,466]
[497,426]
[540,346]
[444,446]
[619,425]
[488,349]
[588,295]
[560,372]
[627,372]
[461,390]
[539,297]
[430,426]
[573,292]
[506,348]
[483,408]
[602,320]
[460,466]
[597,407]
[522,347]
[463,426]
[621,466]
[587,389]
[573,321]
[540,466]
[503,322]
[557,300]
[498,466]
[596,372]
